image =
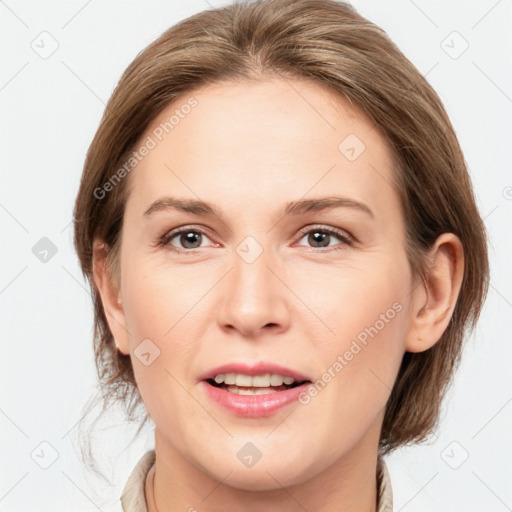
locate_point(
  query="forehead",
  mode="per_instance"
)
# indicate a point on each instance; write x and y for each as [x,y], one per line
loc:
[259,139]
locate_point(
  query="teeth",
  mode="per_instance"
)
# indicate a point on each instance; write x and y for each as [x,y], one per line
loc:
[276,380]
[253,391]
[243,380]
[230,378]
[256,381]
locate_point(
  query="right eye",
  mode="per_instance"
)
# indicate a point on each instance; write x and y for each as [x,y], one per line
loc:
[188,237]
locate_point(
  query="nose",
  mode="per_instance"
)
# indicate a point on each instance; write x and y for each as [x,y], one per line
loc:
[254,297]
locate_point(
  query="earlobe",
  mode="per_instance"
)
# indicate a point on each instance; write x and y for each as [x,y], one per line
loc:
[110,297]
[433,301]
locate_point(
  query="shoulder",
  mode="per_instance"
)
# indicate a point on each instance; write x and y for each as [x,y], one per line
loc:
[133,497]
[384,489]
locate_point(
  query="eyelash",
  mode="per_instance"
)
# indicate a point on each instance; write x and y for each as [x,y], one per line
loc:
[164,241]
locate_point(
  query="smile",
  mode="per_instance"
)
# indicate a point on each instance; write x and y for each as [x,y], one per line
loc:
[253,396]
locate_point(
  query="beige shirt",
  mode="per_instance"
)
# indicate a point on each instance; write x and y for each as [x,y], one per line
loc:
[133,497]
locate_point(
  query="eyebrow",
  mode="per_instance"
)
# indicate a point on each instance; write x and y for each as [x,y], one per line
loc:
[301,206]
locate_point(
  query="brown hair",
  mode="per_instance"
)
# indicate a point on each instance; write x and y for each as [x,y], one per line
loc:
[329,43]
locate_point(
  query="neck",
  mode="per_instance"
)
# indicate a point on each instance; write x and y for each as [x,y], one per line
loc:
[348,485]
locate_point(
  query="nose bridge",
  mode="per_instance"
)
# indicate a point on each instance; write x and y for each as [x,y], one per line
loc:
[253,296]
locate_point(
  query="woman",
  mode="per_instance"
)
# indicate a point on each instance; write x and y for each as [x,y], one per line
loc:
[284,249]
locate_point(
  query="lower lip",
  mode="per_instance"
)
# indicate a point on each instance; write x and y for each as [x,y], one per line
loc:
[253,406]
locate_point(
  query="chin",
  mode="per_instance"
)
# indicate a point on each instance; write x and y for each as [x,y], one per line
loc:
[268,478]
[270,474]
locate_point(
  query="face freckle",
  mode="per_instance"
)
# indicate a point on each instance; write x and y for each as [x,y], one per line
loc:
[257,287]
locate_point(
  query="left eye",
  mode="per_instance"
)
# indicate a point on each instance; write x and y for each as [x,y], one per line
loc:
[319,236]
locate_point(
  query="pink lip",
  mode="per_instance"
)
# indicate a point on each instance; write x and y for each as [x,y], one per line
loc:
[253,406]
[260,368]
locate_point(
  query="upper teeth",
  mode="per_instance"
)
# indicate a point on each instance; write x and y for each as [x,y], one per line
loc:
[256,381]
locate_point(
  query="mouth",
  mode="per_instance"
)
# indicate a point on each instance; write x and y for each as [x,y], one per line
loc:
[254,385]
[253,394]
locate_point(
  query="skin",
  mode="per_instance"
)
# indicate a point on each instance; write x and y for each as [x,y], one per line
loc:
[250,149]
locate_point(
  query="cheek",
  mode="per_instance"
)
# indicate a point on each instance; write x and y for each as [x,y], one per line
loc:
[365,364]
[366,312]
[162,325]
[343,301]
[159,296]
[359,370]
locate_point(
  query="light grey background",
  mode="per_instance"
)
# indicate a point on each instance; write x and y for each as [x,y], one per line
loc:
[50,109]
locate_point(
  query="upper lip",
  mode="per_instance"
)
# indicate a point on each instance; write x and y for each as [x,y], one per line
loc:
[260,368]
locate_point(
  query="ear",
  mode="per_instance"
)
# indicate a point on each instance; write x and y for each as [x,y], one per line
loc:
[433,302]
[110,297]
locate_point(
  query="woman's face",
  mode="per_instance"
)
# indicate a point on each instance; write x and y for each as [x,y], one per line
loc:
[261,282]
